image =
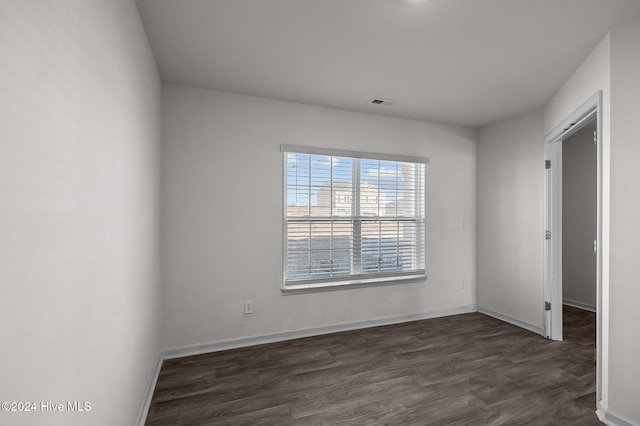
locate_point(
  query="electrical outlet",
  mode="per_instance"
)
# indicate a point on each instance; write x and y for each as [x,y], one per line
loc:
[248,307]
[465,284]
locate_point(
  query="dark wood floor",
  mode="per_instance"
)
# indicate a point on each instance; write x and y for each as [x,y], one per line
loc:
[460,370]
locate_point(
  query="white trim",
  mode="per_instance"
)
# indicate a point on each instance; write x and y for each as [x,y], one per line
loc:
[534,328]
[612,418]
[552,286]
[574,122]
[352,154]
[148,395]
[600,410]
[547,262]
[328,285]
[579,305]
[555,243]
[242,342]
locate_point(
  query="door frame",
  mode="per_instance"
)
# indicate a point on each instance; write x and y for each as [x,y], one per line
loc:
[552,288]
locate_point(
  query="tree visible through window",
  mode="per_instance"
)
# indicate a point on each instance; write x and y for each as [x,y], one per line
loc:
[352,218]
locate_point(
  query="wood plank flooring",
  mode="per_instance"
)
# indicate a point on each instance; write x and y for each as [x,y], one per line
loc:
[461,370]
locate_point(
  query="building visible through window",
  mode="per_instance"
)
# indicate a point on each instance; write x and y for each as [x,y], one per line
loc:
[352,218]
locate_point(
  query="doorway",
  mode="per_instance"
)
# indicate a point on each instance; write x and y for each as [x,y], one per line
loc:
[572,203]
[579,218]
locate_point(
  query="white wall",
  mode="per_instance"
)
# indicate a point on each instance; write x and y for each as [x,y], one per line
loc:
[579,207]
[625,224]
[510,220]
[592,75]
[222,215]
[79,139]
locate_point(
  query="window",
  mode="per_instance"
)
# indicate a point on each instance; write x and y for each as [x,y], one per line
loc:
[352,218]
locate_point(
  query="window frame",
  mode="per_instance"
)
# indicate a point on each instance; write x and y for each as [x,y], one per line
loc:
[367,279]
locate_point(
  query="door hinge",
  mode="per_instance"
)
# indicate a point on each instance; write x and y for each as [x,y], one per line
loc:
[547,306]
[595,137]
[547,164]
[547,235]
[595,246]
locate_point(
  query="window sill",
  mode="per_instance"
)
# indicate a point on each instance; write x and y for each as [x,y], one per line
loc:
[350,284]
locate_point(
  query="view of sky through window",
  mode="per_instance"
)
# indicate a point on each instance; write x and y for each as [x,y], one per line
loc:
[306,175]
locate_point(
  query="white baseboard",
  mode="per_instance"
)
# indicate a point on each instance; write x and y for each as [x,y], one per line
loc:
[146,401]
[612,418]
[579,305]
[222,345]
[534,328]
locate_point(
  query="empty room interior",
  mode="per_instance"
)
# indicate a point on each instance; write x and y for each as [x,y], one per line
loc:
[320,212]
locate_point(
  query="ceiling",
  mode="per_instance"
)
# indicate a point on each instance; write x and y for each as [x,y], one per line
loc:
[463,62]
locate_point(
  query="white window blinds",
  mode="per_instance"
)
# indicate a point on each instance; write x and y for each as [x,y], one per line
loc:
[352,217]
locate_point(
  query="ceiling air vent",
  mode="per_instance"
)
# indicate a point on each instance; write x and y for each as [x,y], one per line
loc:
[382,101]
